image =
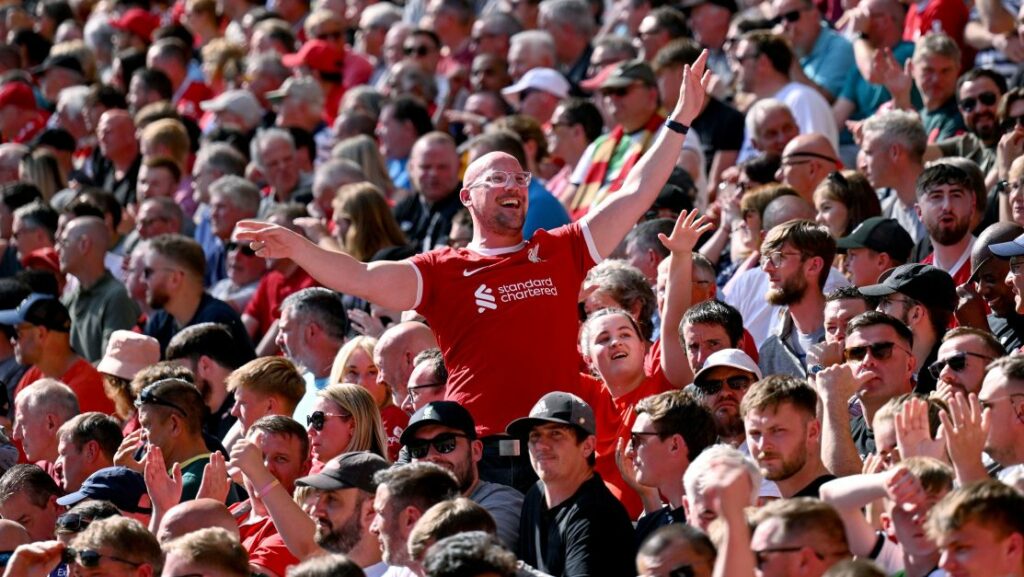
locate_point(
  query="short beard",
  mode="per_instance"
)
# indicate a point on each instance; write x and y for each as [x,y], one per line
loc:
[345,538]
[789,468]
[729,427]
[950,236]
[790,292]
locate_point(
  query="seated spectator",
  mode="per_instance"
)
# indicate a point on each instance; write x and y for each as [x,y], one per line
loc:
[159,215]
[806,161]
[118,542]
[311,330]
[877,245]
[344,419]
[936,65]
[963,356]
[395,355]
[232,198]
[34,228]
[893,139]
[428,381]
[125,488]
[127,354]
[988,275]
[190,516]
[40,410]
[262,387]
[844,199]
[674,548]
[86,444]
[79,517]
[244,271]
[28,496]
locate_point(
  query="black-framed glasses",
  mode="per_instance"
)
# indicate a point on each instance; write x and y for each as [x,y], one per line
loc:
[444,443]
[881,351]
[90,559]
[242,246]
[711,387]
[414,390]
[791,17]
[957,362]
[316,419]
[150,271]
[149,397]
[970,103]
[637,438]
[72,523]
[419,51]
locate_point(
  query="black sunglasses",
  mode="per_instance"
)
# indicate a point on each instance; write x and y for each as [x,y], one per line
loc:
[987,98]
[91,559]
[148,397]
[72,523]
[317,418]
[616,92]
[443,444]
[957,362]
[420,51]
[880,351]
[242,246]
[1012,122]
[711,387]
[791,17]
[335,36]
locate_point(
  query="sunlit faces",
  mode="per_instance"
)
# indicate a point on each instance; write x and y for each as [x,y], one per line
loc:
[386,525]
[962,360]
[787,269]
[946,211]
[1003,402]
[876,160]
[556,453]
[798,21]
[890,375]
[162,278]
[979,105]
[990,282]
[280,165]
[976,550]
[630,106]
[500,209]
[779,439]
[724,404]
[461,460]
[774,131]
[907,530]
[338,429]
[863,266]
[31,427]
[38,521]
[283,457]
[249,406]
[702,339]
[434,169]
[935,76]
[360,370]
[70,464]
[838,314]
[615,349]
[831,213]
[341,518]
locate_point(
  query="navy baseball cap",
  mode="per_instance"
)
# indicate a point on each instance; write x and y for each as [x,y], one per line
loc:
[1009,249]
[41,310]
[119,485]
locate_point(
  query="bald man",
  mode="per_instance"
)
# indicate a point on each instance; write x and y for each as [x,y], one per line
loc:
[100,304]
[394,353]
[120,150]
[194,515]
[806,161]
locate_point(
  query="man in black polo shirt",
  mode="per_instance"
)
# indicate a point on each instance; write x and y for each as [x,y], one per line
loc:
[571,523]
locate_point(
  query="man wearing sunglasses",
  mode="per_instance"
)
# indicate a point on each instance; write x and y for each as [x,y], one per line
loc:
[720,385]
[826,56]
[963,355]
[978,93]
[444,433]
[879,366]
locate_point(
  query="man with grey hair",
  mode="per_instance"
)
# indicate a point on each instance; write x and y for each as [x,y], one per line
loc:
[311,329]
[771,125]
[570,21]
[299,103]
[492,33]
[374,23]
[716,458]
[214,160]
[266,72]
[70,115]
[530,49]
[40,410]
[276,156]
[10,157]
[100,304]
[426,216]
[329,177]
[891,156]
[232,198]
[156,216]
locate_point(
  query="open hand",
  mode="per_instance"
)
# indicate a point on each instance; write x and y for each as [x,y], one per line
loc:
[692,90]
[268,240]
[686,232]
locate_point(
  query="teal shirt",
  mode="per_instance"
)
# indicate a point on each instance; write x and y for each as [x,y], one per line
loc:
[943,122]
[830,61]
[869,97]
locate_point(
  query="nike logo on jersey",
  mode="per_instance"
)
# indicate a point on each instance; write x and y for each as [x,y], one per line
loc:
[472,271]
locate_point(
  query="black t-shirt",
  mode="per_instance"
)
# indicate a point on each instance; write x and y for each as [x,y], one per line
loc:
[653,521]
[925,381]
[720,127]
[219,422]
[162,326]
[1009,330]
[427,227]
[863,437]
[815,486]
[587,535]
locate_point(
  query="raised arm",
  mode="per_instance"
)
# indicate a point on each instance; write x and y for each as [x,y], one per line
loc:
[835,386]
[613,218]
[389,284]
[849,495]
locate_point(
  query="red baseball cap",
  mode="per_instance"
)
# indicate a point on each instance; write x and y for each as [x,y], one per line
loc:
[18,94]
[139,22]
[319,55]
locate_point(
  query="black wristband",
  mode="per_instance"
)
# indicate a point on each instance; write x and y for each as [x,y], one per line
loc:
[677,127]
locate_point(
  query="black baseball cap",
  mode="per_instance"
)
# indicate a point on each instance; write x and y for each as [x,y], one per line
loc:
[688,5]
[353,470]
[930,286]
[41,310]
[119,485]
[65,61]
[557,407]
[880,235]
[446,413]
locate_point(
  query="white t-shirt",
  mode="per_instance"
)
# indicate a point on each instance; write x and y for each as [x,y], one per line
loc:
[811,112]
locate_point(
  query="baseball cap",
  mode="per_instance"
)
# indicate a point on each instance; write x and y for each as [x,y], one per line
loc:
[931,286]
[446,413]
[1009,249]
[65,61]
[139,22]
[16,93]
[305,89]
[128,353]
[544,79]
[238,101]
[688,5]
[557,407]
[734,358]
[320,55]
[41,310]
[119,485]
[56,138]
[628,72]
[353,470]
[880,235]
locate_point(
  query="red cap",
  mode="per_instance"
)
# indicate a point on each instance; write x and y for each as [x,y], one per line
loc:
[594,83]
[139,22]
[18,94]
[320,55]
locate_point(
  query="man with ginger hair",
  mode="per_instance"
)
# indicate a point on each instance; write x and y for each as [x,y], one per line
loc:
[265,386]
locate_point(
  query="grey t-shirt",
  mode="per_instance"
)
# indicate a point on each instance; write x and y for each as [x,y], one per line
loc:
[505,504]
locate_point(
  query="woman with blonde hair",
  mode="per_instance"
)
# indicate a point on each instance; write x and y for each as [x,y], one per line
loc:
[363,222]
[363,151]
[354,365]
[42,169]
[344,418]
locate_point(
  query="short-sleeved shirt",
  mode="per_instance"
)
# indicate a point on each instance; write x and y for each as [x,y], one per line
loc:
[506,320]
[651,522]
[163,327]
[943,122]
[84,380]
[830,60]
[869,97]
[720,128]
[505,504]
[274,287]
[96,312]
[395,420]
[588,534]
[261,540]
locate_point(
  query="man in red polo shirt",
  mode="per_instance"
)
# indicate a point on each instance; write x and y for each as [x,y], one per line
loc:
[20,117]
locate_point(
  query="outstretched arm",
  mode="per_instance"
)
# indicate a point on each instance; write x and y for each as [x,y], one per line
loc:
[389,284]
[610,221]
[848,495]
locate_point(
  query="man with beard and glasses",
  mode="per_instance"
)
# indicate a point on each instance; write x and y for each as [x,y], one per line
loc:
[721,385]
[923,298]
[343,510]
[797,257]
[879,366]
[978,93]
[784,435]
[444,433]
[173,273]
[946,205]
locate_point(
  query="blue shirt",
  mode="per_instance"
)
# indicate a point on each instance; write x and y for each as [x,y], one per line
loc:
[868,97]
[830,61]
[399,173]
[305,406]
[544,210]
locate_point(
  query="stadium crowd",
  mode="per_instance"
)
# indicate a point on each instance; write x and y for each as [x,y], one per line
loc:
[495,288]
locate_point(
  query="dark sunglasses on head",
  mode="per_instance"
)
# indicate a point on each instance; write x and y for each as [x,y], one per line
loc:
[420,51]
[970,103]
[148,397]
[242,246]
[791,17]
[91,559]
[72,523]
[443,444]
[957,362]
[317,418]
[711,387]
[880,351]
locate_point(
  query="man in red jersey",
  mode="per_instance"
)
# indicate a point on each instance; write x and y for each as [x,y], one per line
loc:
[489,296]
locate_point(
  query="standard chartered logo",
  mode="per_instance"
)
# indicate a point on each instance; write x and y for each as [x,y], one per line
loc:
[484,299]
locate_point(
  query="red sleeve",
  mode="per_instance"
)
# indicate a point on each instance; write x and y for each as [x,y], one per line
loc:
[259,305]
[88,386]
[273,555]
